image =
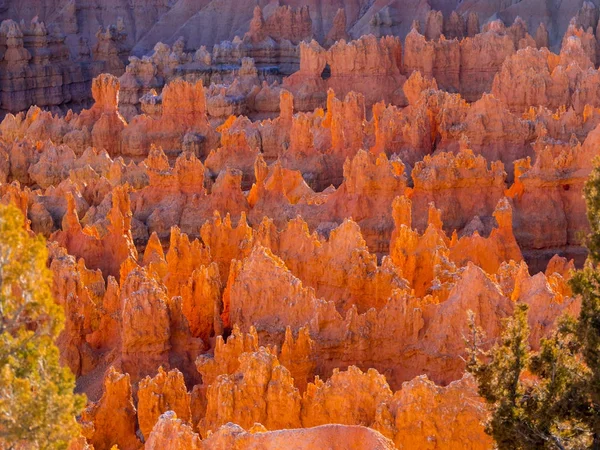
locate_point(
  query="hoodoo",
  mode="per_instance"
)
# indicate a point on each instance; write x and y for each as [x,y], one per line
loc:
[288,221]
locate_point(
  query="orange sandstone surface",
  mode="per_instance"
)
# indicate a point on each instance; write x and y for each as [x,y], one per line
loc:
[250,259]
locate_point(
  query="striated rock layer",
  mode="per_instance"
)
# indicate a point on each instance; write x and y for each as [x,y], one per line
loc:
[38,68]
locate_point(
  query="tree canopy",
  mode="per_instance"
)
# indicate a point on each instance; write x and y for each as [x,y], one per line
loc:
[37,403]
[549,399]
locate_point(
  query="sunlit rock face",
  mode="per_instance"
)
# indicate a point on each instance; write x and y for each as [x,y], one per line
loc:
[266,223]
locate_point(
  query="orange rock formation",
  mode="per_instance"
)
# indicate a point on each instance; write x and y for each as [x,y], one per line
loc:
[277,240]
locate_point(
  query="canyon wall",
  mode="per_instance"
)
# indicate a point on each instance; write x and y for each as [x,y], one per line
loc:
[210,22]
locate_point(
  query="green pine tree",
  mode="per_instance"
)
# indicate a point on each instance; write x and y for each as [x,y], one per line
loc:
[549,399]
[37,403]
[586,283]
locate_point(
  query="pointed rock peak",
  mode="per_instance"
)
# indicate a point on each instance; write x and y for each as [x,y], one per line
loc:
[157,160]
[298,224]
[171,432]
[434,217]
[117,382]
[227,222]
[257,25]
[243,222]
[416,84]
[286,105]
[415,26]
[347,237]
[542,37]
[503,214]
[454,239]
[474,280]
[177,239]
[127,267]
[402,212]
[472,24]
[154,251]
[70,222]
[276,182]
[434,25]
[248,341]
[217,220]
[294,346]
[263,255]
[227,125]
[261,170]
[520,23]
[105,91]
[188,161]
[190,173]
[561,266]
[332,103]
[227,181]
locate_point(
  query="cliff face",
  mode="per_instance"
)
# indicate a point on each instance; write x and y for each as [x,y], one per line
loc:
[209,40]
[40,68]
[208,23]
